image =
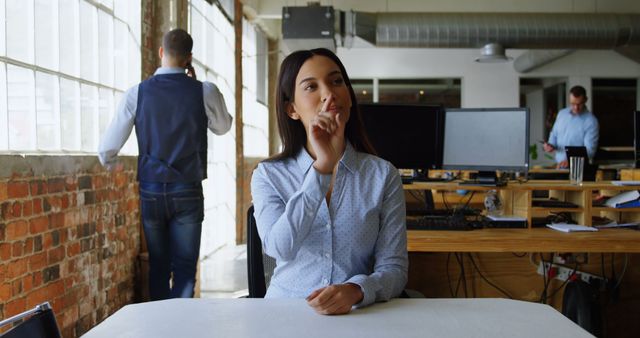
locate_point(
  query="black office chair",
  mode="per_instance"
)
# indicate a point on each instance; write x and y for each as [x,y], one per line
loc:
[39,322]
[259,265]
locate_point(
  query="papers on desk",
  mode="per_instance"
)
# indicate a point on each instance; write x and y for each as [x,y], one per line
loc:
[564,227]
[506,218]
[624,183]
[627,199]
[615,224]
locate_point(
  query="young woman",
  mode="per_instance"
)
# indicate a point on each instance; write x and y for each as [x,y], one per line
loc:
[330,213]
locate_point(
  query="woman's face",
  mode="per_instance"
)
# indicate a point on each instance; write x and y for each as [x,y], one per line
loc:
[318,80]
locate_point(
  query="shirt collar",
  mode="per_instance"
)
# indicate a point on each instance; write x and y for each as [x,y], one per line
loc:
[169,70]
[348,160]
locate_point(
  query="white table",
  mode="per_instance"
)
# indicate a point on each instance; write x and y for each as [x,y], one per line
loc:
[283,318]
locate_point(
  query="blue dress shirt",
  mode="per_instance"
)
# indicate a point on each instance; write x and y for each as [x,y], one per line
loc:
[574,130]
[359,238]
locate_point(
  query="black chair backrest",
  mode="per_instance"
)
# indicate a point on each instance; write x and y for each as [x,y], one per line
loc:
[259,265]
[42,324]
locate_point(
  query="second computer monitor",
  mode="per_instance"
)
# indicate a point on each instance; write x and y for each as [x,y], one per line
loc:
[486,139]
[408,136]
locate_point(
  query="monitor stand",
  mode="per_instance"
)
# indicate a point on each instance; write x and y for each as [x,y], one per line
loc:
[422,175]
[485,178]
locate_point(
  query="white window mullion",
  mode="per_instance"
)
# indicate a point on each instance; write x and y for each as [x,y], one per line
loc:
[4,116]
[57,124]
[31,115]
[56,36]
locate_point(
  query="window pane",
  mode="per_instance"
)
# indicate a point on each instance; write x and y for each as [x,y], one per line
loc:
[46,111]
[120,55]
[20,30]
[70,114]
[20,107]
[69,37]
[88,42]
[105,30]
[2,32]
[46,36]
[135,68]
[120,9]
[4,129]
[105,108]
[197,29]
[88,124]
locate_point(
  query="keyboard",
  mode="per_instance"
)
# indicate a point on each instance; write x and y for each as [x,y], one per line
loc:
[438,222]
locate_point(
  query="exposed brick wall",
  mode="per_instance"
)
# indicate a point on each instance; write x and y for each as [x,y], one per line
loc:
[69,234]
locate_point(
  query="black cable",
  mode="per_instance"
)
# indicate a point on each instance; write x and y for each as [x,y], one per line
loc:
[545,280]
[469,200]
[486,280]
[463,274]
[519,256]
[449,276]
[417,196]
[444,200]
[575,268]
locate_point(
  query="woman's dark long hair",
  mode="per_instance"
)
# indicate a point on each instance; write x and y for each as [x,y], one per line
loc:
[292,132]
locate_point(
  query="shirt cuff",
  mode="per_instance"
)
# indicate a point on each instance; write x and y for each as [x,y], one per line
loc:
[316,185]
[364,282]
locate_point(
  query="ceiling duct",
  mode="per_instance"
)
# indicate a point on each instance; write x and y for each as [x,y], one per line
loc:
[562,31]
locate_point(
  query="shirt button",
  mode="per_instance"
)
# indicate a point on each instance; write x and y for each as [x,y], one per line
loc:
[325,281]
[327,255]
[329,226]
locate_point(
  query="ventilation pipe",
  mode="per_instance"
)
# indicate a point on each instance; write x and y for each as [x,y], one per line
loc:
[510,30]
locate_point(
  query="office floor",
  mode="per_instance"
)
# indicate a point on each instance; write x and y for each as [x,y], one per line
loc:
[223,273]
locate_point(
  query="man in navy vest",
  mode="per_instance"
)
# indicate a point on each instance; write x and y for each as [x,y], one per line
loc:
[171,111]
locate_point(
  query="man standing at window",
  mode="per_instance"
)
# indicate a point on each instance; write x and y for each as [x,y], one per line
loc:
[574,126]
[171,111]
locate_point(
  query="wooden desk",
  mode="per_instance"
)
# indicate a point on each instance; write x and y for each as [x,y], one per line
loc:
[517,200]
[288,318]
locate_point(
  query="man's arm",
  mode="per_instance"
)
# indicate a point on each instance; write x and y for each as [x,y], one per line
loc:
[591,136]
[217,114]
[120,128]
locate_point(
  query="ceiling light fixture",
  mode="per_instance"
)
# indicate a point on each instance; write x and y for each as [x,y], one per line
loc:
[492,53]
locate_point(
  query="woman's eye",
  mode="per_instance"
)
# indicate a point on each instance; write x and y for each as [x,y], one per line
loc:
[309,87]
[338,81]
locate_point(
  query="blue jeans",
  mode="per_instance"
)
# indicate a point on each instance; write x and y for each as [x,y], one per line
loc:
[172,215]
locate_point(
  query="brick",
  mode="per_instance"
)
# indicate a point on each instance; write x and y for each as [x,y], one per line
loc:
[17,189]
[5,291]
[70,184]
[15,307]
[3,191]
[37,206]
[83,325]
[45,293]
[84,182]
[38,225]
[64,202]
[51,273]
[2,232]
[27,208]
[27,283]
[55,255]
[17,248]
[17,268]
[55,185]
[45,205]
[16,210]
[89,197]
[16,287]
[28,246]
[16,230]
[38,187]
[86,245]
[56,220]
[73,249]
[5,252]
[38,261]
[37,243]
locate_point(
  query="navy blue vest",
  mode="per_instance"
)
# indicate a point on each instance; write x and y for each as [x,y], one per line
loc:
[171,126]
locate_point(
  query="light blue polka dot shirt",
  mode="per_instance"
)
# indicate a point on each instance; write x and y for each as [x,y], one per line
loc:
[359,238]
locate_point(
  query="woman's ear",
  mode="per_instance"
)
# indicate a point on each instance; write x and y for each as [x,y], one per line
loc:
[291,111]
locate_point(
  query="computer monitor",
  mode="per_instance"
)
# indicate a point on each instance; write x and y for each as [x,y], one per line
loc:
[486,139]
[408,136]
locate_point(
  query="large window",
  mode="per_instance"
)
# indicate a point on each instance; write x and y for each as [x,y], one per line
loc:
[64,64]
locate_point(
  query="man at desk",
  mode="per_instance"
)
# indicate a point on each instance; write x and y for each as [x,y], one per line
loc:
[574,126]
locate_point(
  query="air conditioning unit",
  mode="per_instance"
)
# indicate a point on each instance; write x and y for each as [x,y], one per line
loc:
[308,27]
